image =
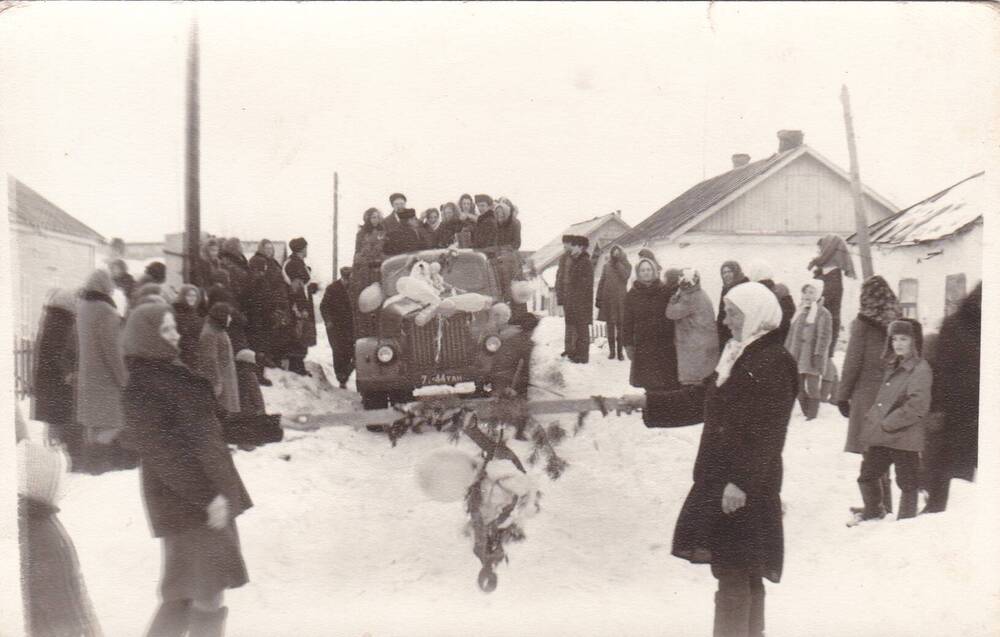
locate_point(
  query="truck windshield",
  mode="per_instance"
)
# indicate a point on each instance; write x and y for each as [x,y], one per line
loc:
[467,272]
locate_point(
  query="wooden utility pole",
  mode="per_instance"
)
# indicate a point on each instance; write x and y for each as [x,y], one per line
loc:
[860,218]
[192,182]
[335,222]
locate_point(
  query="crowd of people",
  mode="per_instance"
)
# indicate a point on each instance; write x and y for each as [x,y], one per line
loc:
[910,404]
[244,316]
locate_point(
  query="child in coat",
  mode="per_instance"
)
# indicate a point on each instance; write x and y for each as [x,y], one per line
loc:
[808,342]
[893,432]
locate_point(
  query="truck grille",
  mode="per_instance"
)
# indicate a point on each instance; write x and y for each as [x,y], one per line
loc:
[456,350]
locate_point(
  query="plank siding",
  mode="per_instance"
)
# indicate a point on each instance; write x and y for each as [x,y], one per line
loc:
[804,197]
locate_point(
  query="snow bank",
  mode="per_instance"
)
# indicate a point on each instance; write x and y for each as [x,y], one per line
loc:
[342,542]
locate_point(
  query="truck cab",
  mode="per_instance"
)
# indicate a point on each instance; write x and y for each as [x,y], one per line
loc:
[403,356]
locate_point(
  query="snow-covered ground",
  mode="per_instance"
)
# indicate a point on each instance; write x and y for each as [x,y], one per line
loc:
[341,542]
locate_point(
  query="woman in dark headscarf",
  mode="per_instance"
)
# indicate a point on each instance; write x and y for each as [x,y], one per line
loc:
[647,334]
[189,312]
[863,371]
[268,315]
[54,375]
[468,216]
[610,299]
[190,485]
[833,262]
[732,275]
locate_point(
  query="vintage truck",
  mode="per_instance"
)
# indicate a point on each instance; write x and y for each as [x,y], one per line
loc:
[451,348]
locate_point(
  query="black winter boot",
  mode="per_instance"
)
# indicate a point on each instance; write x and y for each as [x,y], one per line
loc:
[208,623]
[937,495]
[171,619]
[757,595]
[907,505]
[871,493]
[732,616]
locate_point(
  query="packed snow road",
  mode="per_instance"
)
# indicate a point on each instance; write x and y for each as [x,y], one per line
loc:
[341,542]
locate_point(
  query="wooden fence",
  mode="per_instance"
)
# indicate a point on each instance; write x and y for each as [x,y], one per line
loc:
[598,329]
[24,356]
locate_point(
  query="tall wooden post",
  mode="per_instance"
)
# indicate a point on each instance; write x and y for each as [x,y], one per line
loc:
[860,218]
[335,222]
[192,183]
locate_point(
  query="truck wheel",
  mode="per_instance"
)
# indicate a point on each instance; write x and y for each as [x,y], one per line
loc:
[374,400]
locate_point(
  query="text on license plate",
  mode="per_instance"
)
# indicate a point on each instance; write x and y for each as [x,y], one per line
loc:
[441,379]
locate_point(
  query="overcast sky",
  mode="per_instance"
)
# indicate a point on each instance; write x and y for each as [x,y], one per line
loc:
[570,109]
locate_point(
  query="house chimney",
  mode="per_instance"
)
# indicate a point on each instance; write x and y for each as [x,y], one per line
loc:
[789,139]
[740,160]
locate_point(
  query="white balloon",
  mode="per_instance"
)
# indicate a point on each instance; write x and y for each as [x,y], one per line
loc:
[472,302]
[371,298]
[520,291]
[446,474]
[417,289]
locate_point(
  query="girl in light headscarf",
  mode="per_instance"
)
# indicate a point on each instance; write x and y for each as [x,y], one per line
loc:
[732,517]
[808,341]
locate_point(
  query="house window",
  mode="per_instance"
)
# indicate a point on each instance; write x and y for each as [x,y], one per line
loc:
[954,292]
[908,292]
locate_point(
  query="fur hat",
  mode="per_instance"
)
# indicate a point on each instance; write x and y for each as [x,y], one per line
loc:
[484,199]
[526,321]
[397,195]
[406,214]
[577,240]
[298,244]
[142,339]
[157,271]
[905,327]
[219,312]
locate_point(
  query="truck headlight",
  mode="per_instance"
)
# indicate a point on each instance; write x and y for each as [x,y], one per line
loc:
[492,344]
[385,354]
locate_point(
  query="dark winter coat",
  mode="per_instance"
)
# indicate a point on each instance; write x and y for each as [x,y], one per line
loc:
[862,375]
[241,281]
[299,275]
[785,302]
[125,283]
[562,271]
[509,234]
[267,312]
[337,312]
[101,374]
[578,297]
[647,329]
[55,368]
[404,237]
[695,336]
[833,291]
[184,461]
[746,420]
[896,420]
[486,235]
[512,363]
[447,232]
[953,449]
[217,364]
[611,290]
[56,599]
[189,323]
[724,333]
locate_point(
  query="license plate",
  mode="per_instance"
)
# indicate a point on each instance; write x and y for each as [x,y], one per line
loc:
[441,379]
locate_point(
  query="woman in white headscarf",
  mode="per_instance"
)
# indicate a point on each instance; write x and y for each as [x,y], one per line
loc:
[732,516]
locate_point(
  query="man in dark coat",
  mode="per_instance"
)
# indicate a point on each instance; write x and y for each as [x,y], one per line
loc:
[732,518]
[578,302]
[405,235]
[952,447]
[301,294]
[611,290]
[240,279]
[561,271]
[398,202]
[338,315]
[268,312]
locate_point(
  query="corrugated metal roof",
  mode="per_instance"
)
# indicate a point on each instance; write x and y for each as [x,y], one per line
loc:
[698,199]
[941,215]
[29,208]
[549,253]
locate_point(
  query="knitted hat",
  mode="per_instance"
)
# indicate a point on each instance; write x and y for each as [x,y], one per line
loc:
[484,199]
[142,338]
[648,255]
[298,244]
[99,281]
[905,327]
[397,195]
